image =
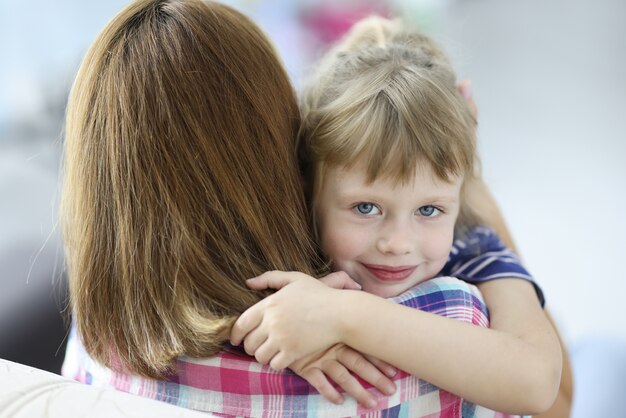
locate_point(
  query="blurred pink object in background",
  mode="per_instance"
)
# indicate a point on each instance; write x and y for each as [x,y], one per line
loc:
[328,21]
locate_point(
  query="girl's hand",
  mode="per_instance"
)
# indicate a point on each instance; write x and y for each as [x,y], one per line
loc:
[298,320]
[465,88]
[336,363]
[336,280]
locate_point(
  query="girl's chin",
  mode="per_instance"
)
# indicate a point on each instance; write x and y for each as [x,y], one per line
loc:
[387,291]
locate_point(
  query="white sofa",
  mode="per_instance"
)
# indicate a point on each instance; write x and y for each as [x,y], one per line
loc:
[27,392]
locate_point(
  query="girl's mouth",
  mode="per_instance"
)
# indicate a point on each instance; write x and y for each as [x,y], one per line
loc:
[390,273]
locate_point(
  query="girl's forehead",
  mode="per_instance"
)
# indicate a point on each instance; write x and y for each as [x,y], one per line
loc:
[356,175]
[360,171]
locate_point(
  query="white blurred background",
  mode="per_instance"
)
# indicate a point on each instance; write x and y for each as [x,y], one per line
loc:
[549,79]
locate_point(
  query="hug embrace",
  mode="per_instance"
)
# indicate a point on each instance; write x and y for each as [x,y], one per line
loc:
[233,253]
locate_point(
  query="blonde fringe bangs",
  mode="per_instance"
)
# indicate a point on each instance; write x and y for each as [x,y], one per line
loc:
[393,124]
[386,96]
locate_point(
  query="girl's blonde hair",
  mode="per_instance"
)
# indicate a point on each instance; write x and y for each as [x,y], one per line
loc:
[180,182]
[386,95]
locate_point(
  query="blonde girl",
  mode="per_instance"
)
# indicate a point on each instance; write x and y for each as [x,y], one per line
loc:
[388,150]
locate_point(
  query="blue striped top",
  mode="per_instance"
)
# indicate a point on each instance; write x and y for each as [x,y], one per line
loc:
[480,255]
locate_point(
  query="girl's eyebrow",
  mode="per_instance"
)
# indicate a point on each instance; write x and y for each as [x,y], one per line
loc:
[443,199]
[356,194]
[364,194]
[352,196]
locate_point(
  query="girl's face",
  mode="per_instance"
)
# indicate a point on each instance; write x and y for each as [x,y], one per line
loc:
[387,236]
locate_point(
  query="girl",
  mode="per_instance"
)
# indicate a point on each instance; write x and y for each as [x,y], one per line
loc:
[388,149]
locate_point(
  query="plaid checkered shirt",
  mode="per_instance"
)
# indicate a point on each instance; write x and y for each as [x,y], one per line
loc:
[235,385]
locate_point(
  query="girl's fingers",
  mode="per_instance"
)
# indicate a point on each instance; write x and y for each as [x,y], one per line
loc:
[340,374]
[383,366]
[465,88]
[253,341]
[265,353]
[362,367]
[340,280]
[273,280]
[319,381]
[247,321]
[281,361]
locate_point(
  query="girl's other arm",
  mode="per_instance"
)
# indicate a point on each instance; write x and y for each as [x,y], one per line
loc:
[482,201]
[563,404]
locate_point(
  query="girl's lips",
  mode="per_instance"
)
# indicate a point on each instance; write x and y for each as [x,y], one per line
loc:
[389,273]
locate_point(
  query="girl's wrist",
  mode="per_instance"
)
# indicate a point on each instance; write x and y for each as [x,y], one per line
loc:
[350,317]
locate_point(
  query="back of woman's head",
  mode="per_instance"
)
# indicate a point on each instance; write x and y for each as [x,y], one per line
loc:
[180,181]
[386,94]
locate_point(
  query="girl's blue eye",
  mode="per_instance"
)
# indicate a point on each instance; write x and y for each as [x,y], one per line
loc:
[366,208]
[428,211]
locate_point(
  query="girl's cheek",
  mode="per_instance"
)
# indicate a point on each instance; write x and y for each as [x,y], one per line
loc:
[330,242]
[341,243]
[438,247]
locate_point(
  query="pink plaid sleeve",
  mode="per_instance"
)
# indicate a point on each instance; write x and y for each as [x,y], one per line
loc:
[236,385]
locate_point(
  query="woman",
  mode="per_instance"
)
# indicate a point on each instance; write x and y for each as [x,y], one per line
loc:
[180,183]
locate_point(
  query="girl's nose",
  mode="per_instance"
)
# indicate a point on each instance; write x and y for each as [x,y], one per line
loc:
[396,241]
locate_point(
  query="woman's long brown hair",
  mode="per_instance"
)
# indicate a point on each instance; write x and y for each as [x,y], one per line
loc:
[180,182]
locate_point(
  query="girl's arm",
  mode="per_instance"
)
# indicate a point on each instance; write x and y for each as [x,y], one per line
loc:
[482,200]
[563,404]
[513,367]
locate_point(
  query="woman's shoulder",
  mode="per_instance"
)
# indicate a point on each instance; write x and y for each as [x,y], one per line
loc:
[447,296]
[232,384]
